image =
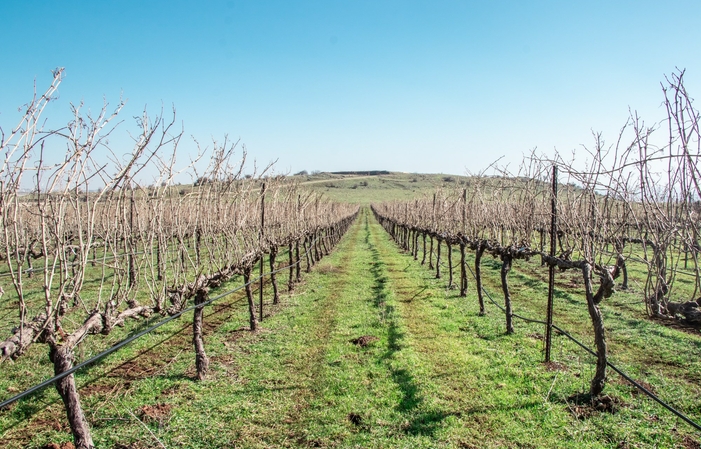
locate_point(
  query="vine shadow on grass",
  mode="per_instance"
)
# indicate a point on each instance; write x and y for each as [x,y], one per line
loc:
[418,422]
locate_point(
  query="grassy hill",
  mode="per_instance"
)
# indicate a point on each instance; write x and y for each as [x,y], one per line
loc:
[366,189]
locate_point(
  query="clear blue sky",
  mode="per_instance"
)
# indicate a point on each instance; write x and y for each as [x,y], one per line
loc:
[416,86]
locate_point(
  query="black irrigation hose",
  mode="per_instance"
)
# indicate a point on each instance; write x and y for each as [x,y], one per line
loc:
[590,351]
[675,270]
[633,382]
[611,365]
[125,342]
[528,320]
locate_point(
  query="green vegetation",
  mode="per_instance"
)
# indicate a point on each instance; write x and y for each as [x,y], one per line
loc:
[429,371]
[366,190]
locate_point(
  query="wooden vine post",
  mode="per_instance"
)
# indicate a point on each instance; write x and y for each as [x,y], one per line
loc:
[478,276]
[261,235]
[506,261]
[290,283]
[551,268]
[463,272]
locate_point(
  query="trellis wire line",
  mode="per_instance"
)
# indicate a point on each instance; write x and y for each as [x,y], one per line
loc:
[73,264]
[114,257]
[590,351]
[125,342]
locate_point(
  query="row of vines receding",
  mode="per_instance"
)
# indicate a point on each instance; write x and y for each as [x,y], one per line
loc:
[88,244]
[637,200]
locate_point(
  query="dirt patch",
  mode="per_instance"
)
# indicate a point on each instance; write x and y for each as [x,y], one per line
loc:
[174,390]
[129,446]
[228,361]
[355,419]
[139,368]
[100,389]
[51,422]
[234,335]
[583,406]
[8,407]
[328,269]
[690,443]
[693,329]
[466,445]
[154,413]
[555,366]
[645,385]
[50,418]
[313,361]
[67,445]
[364,340]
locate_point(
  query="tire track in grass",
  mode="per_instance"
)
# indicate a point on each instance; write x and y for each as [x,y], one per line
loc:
[470,389]
[492,389]
[365,396]
[313,359]
[420,417]
[347,388]
[301,382]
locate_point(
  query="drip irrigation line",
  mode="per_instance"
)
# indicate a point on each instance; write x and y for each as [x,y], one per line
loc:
[592,352]
[633,382]
[148,330]
[646,262]
[72,264]
[529,320]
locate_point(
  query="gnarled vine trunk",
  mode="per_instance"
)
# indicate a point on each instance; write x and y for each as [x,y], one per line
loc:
[450,265]
[599,380]
[463,272]
[290,282]
[273,276]
[201,359]
[62,359]
[438,259]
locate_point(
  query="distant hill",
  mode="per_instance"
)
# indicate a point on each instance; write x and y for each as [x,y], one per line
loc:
[367,173]
[366,187]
